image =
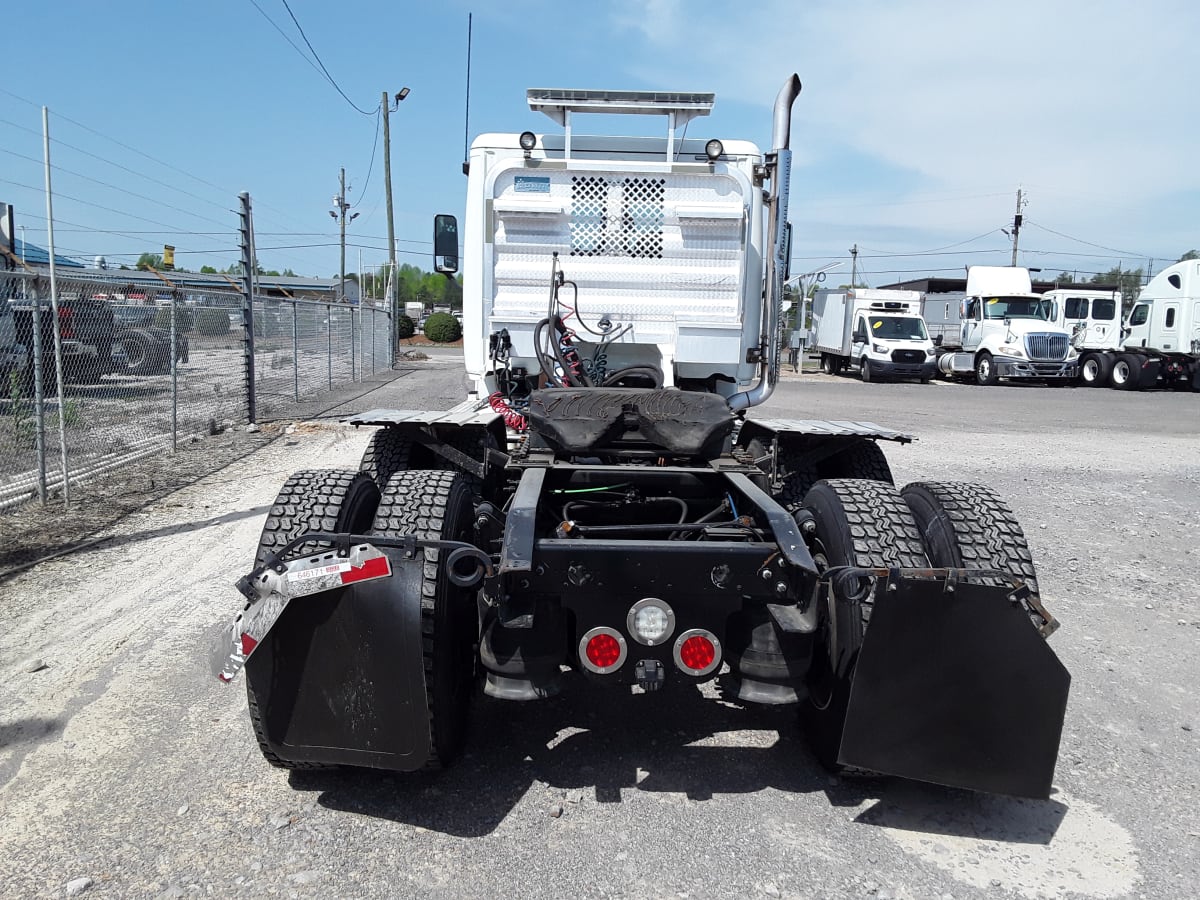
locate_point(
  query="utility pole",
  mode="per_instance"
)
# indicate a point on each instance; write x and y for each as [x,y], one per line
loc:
[1017,218]
[339,213]
[384,105]
[853,265]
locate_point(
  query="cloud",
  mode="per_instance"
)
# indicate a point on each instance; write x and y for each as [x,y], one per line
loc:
[1091,102]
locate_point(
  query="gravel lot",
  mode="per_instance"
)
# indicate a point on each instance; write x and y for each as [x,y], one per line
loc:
[127,771]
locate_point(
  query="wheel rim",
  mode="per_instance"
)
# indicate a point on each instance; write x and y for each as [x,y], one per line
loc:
[985,368]
[1120,372]
[135,353]
[1091,370]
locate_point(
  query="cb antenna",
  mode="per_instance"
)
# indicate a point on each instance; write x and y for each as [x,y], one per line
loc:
[466,166]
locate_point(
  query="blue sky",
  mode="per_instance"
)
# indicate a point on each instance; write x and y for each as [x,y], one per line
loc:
[916,124]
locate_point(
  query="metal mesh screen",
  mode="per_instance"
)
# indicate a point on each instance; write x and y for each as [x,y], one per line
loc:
[617,216]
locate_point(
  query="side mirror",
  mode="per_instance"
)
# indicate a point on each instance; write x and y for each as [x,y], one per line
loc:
[445,244]
[937,341]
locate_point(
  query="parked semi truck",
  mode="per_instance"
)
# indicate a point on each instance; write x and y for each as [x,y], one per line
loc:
[1093,319]
[1159,344]
[1007,331]
[879,332]
[602,507]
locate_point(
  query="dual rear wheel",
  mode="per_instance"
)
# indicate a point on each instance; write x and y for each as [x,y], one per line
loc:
[431,504]
[871,524]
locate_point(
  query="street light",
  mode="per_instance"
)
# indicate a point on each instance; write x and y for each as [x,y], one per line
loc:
[387,190]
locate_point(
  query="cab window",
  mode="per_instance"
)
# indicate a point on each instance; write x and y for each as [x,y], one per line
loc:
[1076,308]
[1104,309]
[1170,322]
[1141,314]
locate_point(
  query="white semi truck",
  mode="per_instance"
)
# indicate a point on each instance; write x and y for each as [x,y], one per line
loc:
[1008,331]
[1093,319]
[1159,345]
[602,507]
[879,332]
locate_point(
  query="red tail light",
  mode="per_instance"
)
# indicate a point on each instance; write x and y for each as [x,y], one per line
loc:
[66,322]
[602,650]
[698,651]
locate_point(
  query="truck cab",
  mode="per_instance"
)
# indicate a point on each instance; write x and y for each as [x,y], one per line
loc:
[1092,318]
[892,344]
[1008,331]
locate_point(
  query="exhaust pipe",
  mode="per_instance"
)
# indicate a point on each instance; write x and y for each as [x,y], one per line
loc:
[779,164]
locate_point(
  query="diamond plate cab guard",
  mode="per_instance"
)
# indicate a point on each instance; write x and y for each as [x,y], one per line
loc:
[300,578]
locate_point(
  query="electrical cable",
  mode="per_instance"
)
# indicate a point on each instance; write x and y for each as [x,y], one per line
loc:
[114,187]
[317,57]
[371,164]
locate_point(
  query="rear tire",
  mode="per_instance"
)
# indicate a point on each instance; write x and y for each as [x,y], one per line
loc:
[858,523]
[862,458]
[311,500]
[387,453]
[985,370]
[969,526]
[436,505]
[1095,369]
[141,351]
[1127,372]
[828,366]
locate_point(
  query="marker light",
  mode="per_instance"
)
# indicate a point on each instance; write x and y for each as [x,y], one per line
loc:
[650,621]
[697,651]
[528,140]
[714,149]
[602,650]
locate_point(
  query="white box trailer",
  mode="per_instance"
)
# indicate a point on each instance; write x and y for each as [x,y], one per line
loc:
[879,332]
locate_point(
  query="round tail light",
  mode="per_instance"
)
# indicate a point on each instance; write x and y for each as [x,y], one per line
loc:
[602,650]
[650,621]
[698,651]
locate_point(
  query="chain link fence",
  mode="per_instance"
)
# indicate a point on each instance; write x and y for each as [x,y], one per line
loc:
[122,372]
[304,348]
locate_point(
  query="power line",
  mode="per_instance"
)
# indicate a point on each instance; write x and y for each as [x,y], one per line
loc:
[317,57]
[936,250]
[118,212]
[295,47]
[113,187]
[371,165]
[1089,243]
[166,165]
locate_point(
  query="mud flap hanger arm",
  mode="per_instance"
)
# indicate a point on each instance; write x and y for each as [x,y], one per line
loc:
[341,543]
[855,583]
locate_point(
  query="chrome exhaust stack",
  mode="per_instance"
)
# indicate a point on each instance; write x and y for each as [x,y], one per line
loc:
[778,168]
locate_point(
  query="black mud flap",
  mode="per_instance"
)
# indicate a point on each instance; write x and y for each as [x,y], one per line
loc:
[956,688]
[340,680]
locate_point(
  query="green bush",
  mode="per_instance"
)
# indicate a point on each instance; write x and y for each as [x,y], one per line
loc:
[442,328]
[212,321]
[405,327]
[183,318]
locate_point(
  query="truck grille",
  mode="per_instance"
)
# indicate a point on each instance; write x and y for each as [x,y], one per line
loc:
[1046,346]
[908,356]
